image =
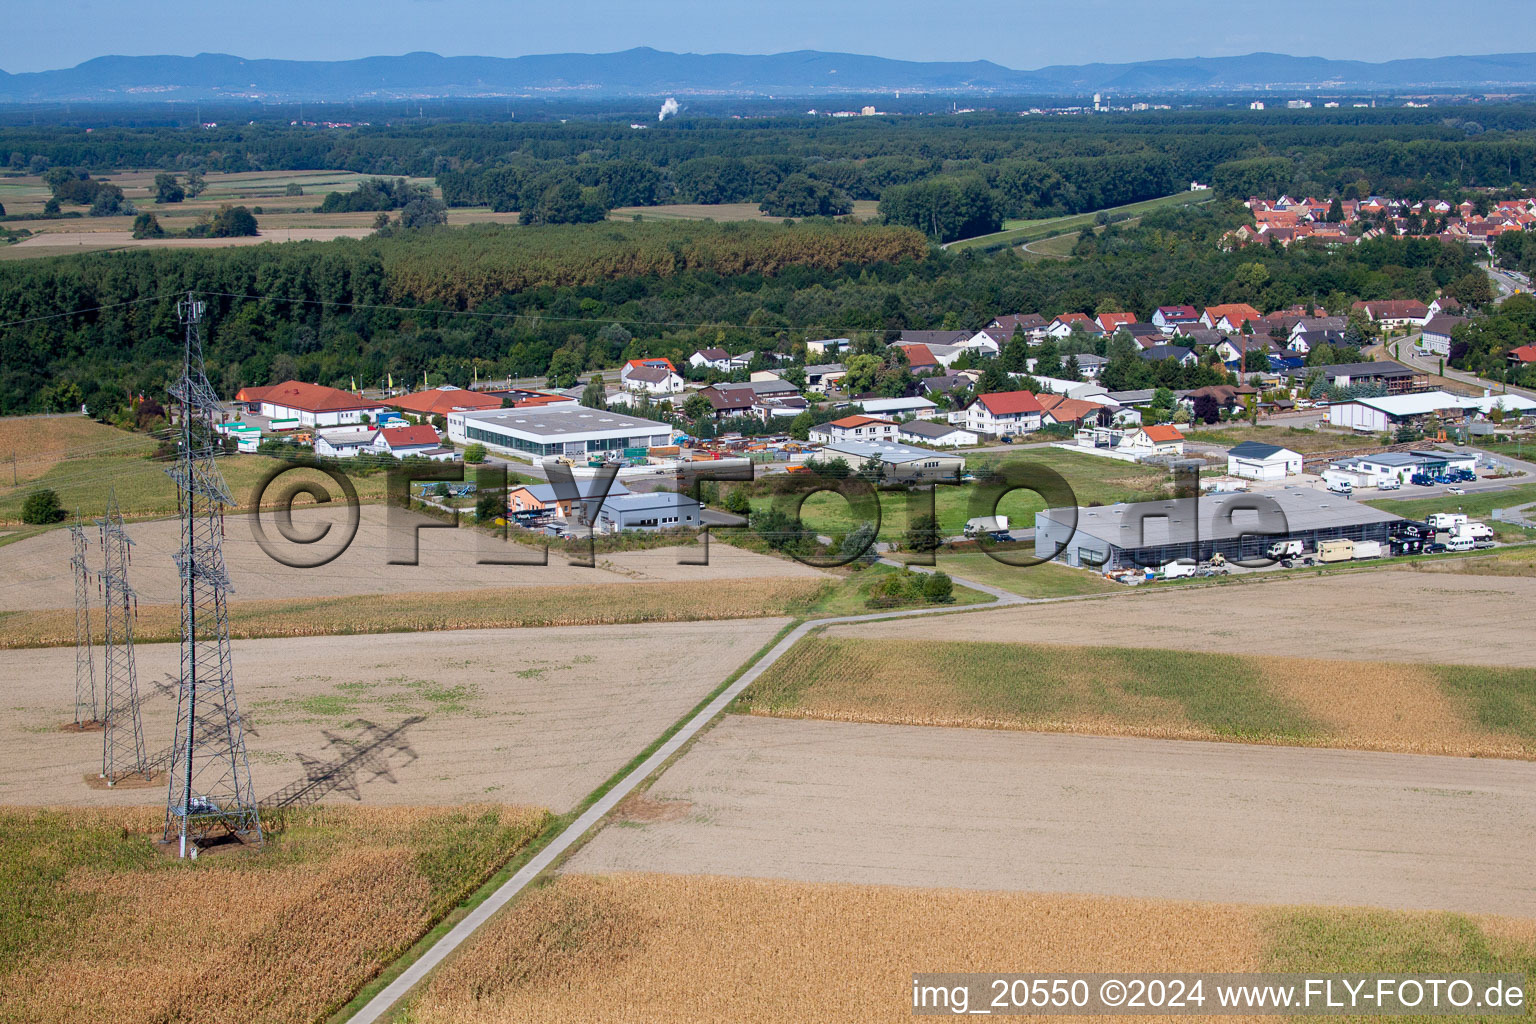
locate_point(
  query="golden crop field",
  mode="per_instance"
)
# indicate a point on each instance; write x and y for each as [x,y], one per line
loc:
[686,949]
[591,604]
[1167,694]
[97,925]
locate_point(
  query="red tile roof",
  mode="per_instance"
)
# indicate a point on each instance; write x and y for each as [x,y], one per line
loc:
[1007,403]
[635,364]
[1163,432]
[1236,313]
[1525,353]
[918,355]
[859,421]
[441,401]
[412,436]
[295,394]
[1110,321]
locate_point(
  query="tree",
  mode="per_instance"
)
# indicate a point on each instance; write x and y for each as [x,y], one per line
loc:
[736,501]
[595,394]
[194,184]
[938,588]
[564,365]
[861,373]
[147,225]
[167,190]
[1335,211]
[1207,409]
[41,507]
[232,222]
[1473,289]
[490,505]
[923,534]
[1048,359]
[697,407]
[293,188]
[474,454]
[800,196]
[423,213]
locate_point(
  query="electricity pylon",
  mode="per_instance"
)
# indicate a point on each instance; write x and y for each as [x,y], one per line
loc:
[122,742]
[210,785]
[87,712]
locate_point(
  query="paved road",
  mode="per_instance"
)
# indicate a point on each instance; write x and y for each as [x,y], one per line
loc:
[1431,364]
[972,808]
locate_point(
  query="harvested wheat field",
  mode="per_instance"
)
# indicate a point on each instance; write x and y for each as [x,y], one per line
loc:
[529,716]
[1388,615]
[98,927]
[35,571]
[1033,812]
[1136,691]
[41,442]
[643,947]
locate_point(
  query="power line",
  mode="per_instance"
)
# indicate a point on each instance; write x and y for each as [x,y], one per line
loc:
[88,309]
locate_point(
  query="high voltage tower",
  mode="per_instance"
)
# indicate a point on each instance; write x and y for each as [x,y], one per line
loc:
[210,785]
[86,709]
[122,742]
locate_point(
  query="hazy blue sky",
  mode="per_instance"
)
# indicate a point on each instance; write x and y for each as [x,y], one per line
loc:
[37,35]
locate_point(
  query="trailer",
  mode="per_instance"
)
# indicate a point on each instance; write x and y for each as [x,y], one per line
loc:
[985,525]
[1336,551]
[1367,549]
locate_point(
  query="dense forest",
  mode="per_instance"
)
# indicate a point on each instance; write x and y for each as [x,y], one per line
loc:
[509,300]
[941,174]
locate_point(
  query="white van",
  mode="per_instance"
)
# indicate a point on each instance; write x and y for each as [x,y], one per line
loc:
[1461,542]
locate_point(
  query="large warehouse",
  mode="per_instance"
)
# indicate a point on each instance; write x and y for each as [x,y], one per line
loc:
[1149,533]
[540,431]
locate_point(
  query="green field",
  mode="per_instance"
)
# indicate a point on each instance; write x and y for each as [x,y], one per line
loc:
[1092,479]
[1049,579]
[1479,504]
[1025,686]
[1017,232]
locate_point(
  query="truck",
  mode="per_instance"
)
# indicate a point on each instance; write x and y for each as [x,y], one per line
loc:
[985,526]
[1337,551]
[1285,549]
[1446,520]
[1367,549]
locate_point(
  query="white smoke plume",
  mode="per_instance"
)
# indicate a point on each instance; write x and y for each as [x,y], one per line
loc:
[668,109]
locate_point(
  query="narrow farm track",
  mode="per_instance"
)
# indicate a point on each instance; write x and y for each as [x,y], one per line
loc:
[377,1007]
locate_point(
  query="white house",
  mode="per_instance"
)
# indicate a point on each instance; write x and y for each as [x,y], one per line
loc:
[827,346]
[1004,413]
[854,428]
[312,405]
[821,376]
[897,406]
[1255,460]
[713,358]
[652,376]
[1436,339]
[1159,439]
[346,442]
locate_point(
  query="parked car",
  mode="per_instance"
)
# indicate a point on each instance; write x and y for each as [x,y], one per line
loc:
[1456,490]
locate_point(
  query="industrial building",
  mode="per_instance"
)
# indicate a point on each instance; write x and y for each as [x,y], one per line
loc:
[1378,415]
[540,431]
[901,462]
[1147,533]
[309,405]
[1399,467]
[656,510]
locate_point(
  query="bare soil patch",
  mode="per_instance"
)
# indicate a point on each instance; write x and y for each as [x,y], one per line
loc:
[1387,615]
[34,572]
[533,716]
[840,802]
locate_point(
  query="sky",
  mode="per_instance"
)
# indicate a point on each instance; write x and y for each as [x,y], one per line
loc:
[38,35]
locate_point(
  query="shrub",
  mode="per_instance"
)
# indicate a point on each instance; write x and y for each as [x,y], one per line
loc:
[938,588]
[42,507]
[474,454]
[490,505]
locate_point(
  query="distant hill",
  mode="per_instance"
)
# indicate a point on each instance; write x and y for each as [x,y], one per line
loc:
[647,72]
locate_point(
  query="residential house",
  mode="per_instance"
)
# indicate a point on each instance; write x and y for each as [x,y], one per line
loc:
[1396,378]
[1436,339]
[934,337]
[729,401]
[1395,313]
[827,346]
[900,462]
[1004,413]
[821,376]
[1070,412]
[1257,350]
[1523,355]
[943,434]
[1444,304]
[876,406]
[984,343]
[945,384]
[1143,334]
[1255,460]
[1033,325]
[919,357]
[1063,326]
[1109,323]
[1159,439]
[1089,365]
[711,358]
[742,361]
[1231,317]
[1183,356]
[1170,318]
[1305,341]
[768,407]
[854,428]
[651,376]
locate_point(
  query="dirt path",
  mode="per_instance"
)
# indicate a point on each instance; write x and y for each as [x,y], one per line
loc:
[522,716]
[840,802]
[1384,615]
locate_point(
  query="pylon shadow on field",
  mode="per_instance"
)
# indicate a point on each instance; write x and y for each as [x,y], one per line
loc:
[376,752]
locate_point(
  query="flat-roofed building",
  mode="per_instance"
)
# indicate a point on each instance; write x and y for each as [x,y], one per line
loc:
[540,432]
